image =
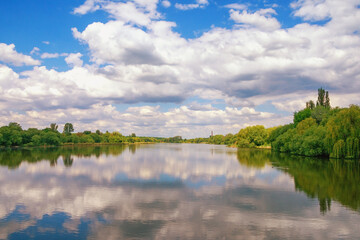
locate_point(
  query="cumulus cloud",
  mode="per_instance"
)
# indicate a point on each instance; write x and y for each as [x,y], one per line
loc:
[261,19]
[313,10]
[35,50]
[52,55]
[88,6]
[143,60]
[74,59]
[134,11]
[342,16]
[9,55]
[187,121]
[198,4]
[240,63]
[166,3]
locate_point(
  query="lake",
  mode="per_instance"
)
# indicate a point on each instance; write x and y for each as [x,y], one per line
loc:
[175,191]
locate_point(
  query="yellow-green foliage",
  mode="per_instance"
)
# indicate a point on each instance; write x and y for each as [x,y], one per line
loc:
[339,150]
[338,138]
[305,125]
[252,136]
[343,126]
[352,147]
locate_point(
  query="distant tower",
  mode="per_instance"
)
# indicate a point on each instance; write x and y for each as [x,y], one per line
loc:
[212,133]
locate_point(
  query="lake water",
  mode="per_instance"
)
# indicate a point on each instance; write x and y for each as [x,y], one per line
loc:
[175,191]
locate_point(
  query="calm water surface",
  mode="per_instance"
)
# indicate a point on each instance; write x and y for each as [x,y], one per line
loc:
[175,191]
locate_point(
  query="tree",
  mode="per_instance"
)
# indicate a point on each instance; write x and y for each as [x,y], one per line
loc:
[68,128]
[323,98]
[11,135]
[116,137]
[319,113]
[50,138]
[301,115]
[327,100]
[254,135]
[345,124]
[310,105]
[15,126]
[304,125]
[54,126]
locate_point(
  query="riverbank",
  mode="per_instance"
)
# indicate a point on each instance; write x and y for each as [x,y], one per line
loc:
[75,145]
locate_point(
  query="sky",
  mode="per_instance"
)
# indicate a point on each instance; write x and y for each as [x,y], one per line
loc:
[167,68]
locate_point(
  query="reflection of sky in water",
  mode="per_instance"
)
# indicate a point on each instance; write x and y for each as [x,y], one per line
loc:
[162,192]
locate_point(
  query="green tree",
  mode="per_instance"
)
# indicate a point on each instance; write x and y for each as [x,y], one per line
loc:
[323,98]
[255,135]
[68,128]
[301,115]
[50,138]
[116,137]
[345,124]
[11,135]
[279,131]
[320,113]
[310,104]
[339,150]
[36,140]
[85,138]
[327,100]
[304,125]
[28,134]
[54,127]
[96,137]
[15,126]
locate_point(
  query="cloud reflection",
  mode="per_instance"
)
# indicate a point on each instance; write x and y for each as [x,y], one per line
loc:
[162,192]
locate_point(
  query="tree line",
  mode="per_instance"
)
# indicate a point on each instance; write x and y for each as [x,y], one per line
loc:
[13,135]
[317,130]
[320,130]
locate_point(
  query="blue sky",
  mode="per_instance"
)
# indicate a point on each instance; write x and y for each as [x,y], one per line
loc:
[165,68]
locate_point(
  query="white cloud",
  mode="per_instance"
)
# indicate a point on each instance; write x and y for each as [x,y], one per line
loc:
[35,50]
[52,55]
[313,10]
[186,121]
[166,3]
[9,55]
[342,16]
[141,59]
[261,19]
[198,4]
[138,12]
[88,6]
[74,59]
[46,42]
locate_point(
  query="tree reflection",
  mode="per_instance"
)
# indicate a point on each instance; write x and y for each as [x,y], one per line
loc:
[13,158]
[132,148]
[323,179]
[68,160]
[253,158]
